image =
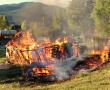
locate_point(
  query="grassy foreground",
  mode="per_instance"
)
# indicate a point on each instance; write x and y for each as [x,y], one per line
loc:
[2,60]
[96,80]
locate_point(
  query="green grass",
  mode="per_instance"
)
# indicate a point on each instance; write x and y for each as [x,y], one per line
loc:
[2,52]
[2,60]
[96,80]
[2,55]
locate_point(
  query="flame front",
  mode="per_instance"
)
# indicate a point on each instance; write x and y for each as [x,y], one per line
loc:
[19,49]
[25,50]
[98,57]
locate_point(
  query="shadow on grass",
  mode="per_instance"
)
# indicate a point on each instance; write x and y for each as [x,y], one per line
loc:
[13,74]
[2,52]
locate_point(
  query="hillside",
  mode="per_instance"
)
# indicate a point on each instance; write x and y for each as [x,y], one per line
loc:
[31,12]
[40,17]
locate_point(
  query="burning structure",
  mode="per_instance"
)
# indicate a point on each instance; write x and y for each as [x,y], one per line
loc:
[51,58]
[96,59]
[40,56]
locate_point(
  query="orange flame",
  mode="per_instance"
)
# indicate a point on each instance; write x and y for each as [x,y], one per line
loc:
[24,50]
[103,56]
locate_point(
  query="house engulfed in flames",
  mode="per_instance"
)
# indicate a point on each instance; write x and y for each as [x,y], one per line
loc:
[23,49]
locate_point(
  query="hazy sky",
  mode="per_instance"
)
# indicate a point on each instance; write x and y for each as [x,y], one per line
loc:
[13,1]
[50,2]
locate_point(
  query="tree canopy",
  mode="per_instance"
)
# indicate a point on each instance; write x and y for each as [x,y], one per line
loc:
[4,24]
[79,12]
[101,15]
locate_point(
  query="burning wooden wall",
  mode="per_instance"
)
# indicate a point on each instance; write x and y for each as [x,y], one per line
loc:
[24,49]
[19,49]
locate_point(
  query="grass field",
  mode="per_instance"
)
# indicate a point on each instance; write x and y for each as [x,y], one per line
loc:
[96,80]
[2,60]
[2,54]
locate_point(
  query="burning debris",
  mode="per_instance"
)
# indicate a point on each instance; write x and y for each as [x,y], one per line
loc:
[19,49]
[44,58]
[52,59]
[96,59]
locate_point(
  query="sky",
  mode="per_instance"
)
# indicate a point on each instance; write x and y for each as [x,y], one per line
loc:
[49,2]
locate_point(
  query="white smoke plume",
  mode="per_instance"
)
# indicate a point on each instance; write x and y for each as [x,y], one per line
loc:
[65,68]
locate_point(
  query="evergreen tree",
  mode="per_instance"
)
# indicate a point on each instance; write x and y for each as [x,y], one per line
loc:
[4,24]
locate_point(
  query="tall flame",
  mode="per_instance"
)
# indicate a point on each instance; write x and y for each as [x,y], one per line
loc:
[25,50]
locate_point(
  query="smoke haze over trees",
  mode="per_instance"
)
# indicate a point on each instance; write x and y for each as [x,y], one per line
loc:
[51,20]
[101,15]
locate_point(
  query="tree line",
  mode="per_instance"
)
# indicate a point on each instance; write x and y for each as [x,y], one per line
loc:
[79,17]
